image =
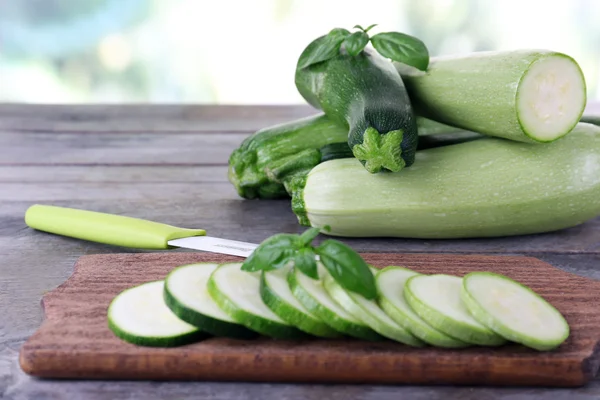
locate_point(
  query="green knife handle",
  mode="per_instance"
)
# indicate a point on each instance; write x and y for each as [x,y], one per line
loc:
[105,228]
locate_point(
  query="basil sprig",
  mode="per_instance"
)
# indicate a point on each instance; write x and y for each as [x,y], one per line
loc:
[344,264]
[396,46]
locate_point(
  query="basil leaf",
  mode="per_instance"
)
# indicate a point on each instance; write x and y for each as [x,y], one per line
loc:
[356,42]
[323,48]
[305,261]
[402,48]
[272,253]
[308,236]
[347,267]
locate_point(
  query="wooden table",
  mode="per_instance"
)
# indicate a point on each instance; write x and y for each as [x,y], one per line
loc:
[168,164]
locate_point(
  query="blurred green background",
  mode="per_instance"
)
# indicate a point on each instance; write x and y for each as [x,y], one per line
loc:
[236,51]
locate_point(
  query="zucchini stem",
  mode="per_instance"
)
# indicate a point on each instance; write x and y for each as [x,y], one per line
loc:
[379,151]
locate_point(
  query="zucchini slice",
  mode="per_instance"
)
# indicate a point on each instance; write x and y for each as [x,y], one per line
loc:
[237,292]
[390,283]
[312,295]
[436,299]
[275,292]
[369,313]
[513,310]
[185,293]
[140,316]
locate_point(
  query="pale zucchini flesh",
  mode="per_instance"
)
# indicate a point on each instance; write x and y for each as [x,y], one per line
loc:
[369,313]
[139,315]
[390,283]
[277,295]
[313,296]
[523,95]
[436,299]
[186,294]
[484,188]
[237,292]
[514,311]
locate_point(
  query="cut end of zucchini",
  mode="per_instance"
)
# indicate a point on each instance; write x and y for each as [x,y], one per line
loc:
[380,151]
[514,311]
[551,97]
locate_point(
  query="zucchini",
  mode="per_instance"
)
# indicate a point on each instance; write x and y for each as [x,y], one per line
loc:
[186,294]
[237,292]
[139,315]
[513,310]
[591,118]
[285,150]
[369,312]
[313,296]
[277,295]
[265,162]
[390,285]
[523,95]
[483,188]
[366,95]
[437,300]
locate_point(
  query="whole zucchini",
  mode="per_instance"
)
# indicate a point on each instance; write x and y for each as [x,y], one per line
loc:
[365,94]
[529,96]
[285,149]
[266,161]
[483,188]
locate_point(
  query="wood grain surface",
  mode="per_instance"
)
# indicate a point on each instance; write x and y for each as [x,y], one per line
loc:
[75,342]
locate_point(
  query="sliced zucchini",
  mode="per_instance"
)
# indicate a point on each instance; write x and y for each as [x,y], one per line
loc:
[534,96]
[311,294]
[513,310]
[140,316]
[237,292]
[390,285]
[185,293]
[436,299]
[369,313]
[275,292]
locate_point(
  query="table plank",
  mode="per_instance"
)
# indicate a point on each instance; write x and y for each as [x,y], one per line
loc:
[112,173]
[47,148]
[145,118]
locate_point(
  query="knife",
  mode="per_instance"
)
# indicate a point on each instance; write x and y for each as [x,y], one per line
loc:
[127,231]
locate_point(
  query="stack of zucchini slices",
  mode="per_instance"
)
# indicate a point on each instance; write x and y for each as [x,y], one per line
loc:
[203,300]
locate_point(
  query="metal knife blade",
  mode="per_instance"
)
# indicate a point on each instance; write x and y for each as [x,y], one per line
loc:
[215,245]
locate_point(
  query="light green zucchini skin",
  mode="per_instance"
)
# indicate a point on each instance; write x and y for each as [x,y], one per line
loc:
[366,94]
[477,92]
[484,188]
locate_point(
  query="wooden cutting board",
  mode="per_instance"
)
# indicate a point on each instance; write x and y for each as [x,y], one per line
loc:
[74,341]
